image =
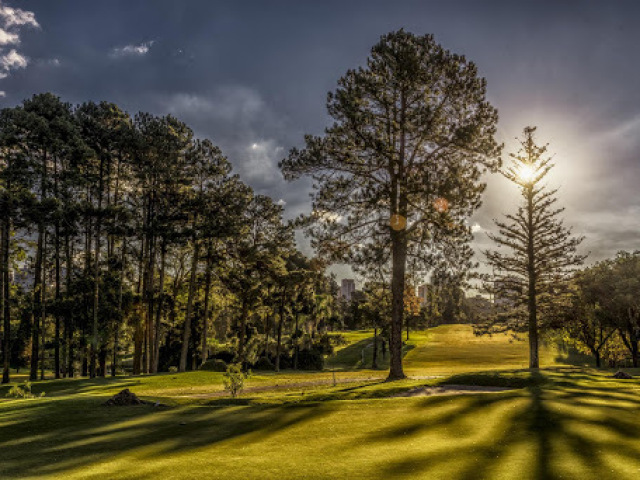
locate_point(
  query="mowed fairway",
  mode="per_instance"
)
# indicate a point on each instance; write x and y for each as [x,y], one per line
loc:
[565,422]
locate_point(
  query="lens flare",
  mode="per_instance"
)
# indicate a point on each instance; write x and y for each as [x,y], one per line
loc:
[527,173]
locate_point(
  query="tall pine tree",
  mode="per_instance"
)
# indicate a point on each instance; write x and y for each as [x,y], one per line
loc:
[399,170]
[536,249]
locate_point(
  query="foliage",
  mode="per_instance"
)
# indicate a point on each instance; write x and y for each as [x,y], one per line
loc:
[23,391]
[233,379]
[263,363]
[606,302]
[398,171]
[537,250]
[214,365]
[131,235]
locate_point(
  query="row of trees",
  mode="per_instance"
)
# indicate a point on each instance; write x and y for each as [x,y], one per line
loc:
[602,311]
[124,235]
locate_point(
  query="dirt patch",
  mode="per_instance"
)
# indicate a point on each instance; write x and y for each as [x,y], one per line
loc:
[284,386]
[450,390]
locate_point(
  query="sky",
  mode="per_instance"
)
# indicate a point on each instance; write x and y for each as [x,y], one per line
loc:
[253,77]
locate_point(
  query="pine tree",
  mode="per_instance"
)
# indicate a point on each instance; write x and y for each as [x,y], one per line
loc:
[399,170]
[538,250]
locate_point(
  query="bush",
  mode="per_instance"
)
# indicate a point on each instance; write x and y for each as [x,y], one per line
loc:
[23,391]
[337,339]
[286,362]
[227,356]
[263,363]
[173,369]
[325,343]
[214,365]
[311,359]
[233,379]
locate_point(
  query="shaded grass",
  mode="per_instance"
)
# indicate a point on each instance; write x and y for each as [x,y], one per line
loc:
[564,423]
[560,422]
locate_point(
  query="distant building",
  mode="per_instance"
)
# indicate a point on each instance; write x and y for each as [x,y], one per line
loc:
[423,294]
[505,291]
[478,308]
[347,288]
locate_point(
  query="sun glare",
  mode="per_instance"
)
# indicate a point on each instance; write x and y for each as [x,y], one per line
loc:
[526,173]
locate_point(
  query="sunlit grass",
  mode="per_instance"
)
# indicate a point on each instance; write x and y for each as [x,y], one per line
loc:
[563,422]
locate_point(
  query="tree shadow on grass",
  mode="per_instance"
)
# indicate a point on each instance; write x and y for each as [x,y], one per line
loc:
[562,425]
[50,437]
[76,385]
[351,356]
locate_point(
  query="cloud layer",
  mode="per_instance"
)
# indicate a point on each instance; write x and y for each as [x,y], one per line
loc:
[12,21]
[132,50]
[254,80]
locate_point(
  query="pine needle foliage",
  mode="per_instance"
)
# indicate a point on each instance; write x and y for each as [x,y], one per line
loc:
[536,252]
[399,171]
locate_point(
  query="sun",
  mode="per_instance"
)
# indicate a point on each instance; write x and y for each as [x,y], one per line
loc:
[526,173]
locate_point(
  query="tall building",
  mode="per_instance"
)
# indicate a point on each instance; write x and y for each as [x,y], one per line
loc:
[423,294]
[347,288]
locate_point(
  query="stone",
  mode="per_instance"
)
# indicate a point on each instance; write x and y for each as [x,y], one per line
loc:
[125,397]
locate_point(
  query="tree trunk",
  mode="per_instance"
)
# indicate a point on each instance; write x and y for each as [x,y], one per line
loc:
[534,361]
[37,299]
[5,293]
[297,347]
[374,362]
[266,335]
[186,337]
[102,360]
[138,327]
[399,247]
[68,325]
[156,338]
[279,333]
[204,348]
[241,332]
[116,330]
[398,251]
[596,354]
[43,312]
[56,367]
[148,287]
[96,274]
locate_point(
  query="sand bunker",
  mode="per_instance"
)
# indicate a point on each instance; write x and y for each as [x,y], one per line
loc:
[450,390]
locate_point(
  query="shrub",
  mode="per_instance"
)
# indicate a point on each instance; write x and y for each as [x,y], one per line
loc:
[311,359]
[325,343]
[263,363]
[233,379]
[226,356]
[214,365]
[286,361]
[173,369]
[23,391]
[337,339]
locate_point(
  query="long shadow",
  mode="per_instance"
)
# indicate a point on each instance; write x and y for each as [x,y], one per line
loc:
[551,419]
[75,385]
[350,357]
[53,436]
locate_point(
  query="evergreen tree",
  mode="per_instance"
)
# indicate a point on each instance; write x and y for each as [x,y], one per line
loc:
[537,249]
[399,169]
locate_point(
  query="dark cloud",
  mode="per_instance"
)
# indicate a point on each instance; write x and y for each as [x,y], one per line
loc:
[253,77]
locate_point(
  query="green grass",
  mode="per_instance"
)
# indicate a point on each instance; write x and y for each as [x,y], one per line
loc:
[562,422]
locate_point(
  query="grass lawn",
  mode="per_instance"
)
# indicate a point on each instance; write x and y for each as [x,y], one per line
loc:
[565,422]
